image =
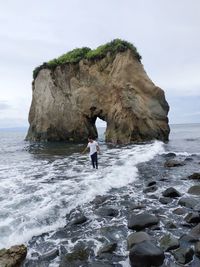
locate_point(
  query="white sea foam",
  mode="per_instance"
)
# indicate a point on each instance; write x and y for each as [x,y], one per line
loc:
[36,194]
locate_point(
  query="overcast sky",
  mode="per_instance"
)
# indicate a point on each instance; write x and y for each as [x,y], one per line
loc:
[166,33]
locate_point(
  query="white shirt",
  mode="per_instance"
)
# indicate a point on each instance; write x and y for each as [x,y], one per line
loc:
[93,147]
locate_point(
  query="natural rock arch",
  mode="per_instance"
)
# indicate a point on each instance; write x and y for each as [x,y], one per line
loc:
[68,99]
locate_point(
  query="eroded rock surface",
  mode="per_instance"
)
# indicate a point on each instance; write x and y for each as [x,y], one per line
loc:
[13,257]
[67,101]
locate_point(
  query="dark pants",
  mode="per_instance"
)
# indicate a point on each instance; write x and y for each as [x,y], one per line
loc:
[94,160]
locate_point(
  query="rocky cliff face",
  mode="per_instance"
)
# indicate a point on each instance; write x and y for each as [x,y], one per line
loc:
[67,101]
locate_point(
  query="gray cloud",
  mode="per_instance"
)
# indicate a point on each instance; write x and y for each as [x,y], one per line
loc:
[4,106]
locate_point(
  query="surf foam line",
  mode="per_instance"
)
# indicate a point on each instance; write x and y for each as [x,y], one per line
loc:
[40,204]
[121,172]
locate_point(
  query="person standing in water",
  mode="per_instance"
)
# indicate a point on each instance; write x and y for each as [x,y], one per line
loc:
[94,148]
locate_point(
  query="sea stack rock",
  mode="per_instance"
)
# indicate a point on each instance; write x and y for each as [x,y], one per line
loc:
[110,83]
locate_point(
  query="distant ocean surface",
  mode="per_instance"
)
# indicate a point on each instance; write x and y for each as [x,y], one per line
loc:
[41,182]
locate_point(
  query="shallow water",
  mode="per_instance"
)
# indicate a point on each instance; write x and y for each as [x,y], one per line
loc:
[41,183]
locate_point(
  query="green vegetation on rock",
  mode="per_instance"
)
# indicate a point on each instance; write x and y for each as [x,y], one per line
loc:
[78,54]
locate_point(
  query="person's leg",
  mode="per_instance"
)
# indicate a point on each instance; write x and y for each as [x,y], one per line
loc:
[96,162]
[93,160]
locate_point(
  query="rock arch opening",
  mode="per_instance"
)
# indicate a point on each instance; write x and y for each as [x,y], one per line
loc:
[101,126]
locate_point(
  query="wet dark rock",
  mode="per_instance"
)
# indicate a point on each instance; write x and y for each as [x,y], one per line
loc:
[197,249]
[188,159]
[169,155]
[194,190]
[195,176]
[136,238]
[103,264]
[62,250]
[186,239]
[109,248]
[192,217]
[99,199]
[13,257]
[111,232]
[188,202]
[183,255]
[140,221]
[155,228]
[146,254]
[170,225]
[110,257]
[76,258]
[150,189]
[60,234]
[179,211]
[153,196]
[169,242]
[165,200]
[164,180]
[35,255]
[197,207]
[137,206]
[107,212]
[33,263]
[150,183]
[80,219]
[195,231]
[50,255]
[173,163]
[171,192]
[195,262]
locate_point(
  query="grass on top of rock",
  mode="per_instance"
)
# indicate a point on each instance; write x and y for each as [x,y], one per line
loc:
[77,54]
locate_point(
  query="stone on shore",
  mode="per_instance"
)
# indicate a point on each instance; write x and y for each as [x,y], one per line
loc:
[169,242]
[197,207]
[146,254]
[107,212]
[187,239]
[173,163]
[140,221]
[13,257]
[192,217]
[150,189]
[195,176]
[109,248]
[194,190]
[50,255]
[183,255]
[165,200]
[179,211]
[103,264]
[169,155]
[80,219]
[171,192]
[99,199]
[195,231]
[76,258]
[137,206]
[136,238]
[188,202]
[197,249]
[150,183]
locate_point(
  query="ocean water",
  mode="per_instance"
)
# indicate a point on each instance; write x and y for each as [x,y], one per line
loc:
[42,182]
